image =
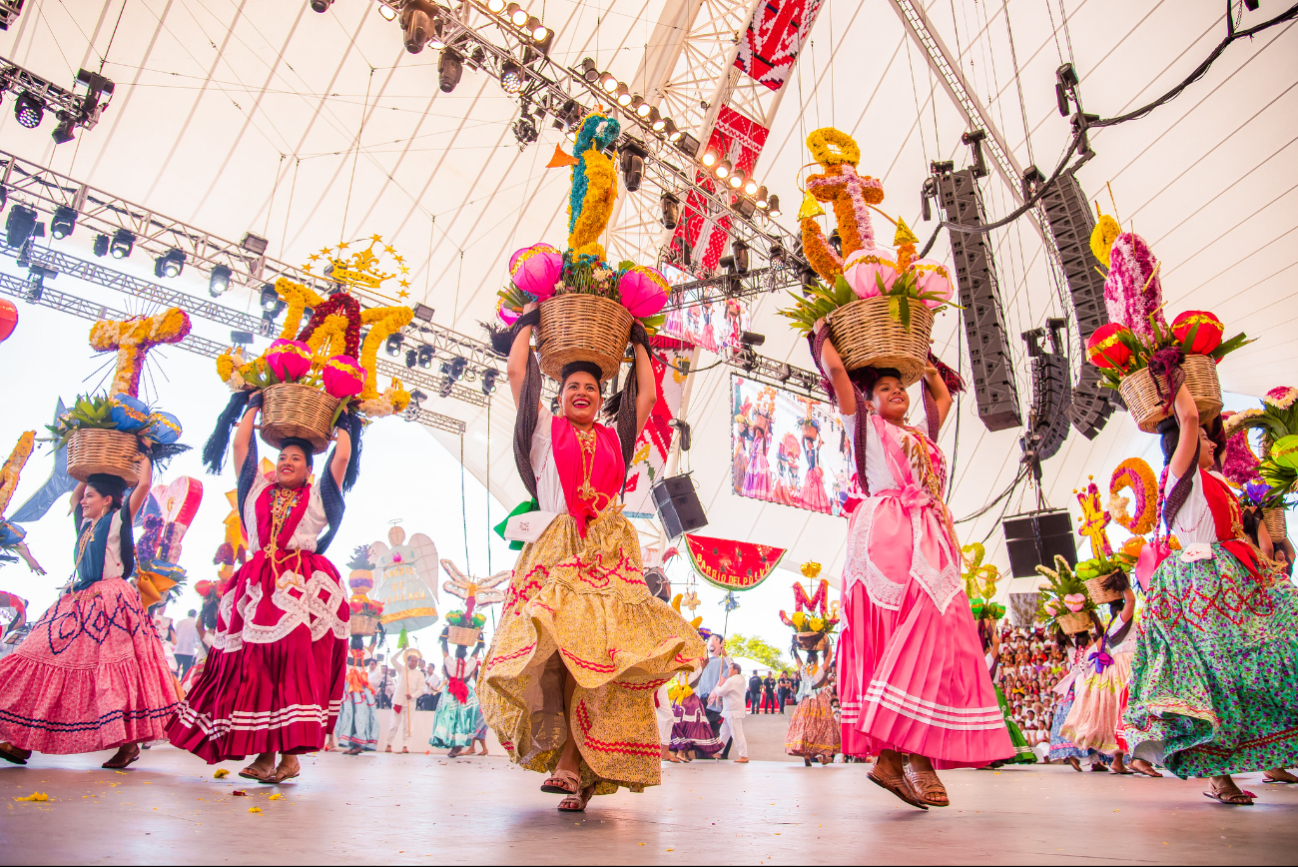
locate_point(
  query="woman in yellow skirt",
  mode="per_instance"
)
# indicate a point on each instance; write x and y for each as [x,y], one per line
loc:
[582,645]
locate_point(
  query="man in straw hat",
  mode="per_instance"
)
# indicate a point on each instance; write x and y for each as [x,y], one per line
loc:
[410,685]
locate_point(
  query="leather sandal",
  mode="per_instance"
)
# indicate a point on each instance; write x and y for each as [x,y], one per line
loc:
[1273,776]
[895,783]
[1143,767]
[119,760]
[283,773]
[562,783]
[11,753]
[252,772]
[577,803]
[927,787]
[1229,794]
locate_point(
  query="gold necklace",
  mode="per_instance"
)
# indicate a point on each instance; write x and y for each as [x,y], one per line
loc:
[586,442]
[281,505]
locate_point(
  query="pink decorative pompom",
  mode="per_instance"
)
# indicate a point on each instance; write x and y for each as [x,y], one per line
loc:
[1075,602]
[932,276]
[863,267]
[289,359]
[536,269]
[343,377]
[644,291]
[506,315]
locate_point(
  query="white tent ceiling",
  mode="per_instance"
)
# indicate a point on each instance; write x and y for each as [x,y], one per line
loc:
[247,116]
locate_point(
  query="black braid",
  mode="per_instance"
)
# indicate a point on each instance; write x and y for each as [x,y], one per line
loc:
[1170,432]
[529,402]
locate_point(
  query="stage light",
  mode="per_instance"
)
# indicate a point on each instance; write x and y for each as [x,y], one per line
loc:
[710,158]
[623,95]
[567,116]
[420,23]
[20,225]
[657,122]
[589,71]
[511,77]
[241,338]
[670,131]
[449,70]
[633,157]
[28,111]
[736,180]
[423,312]
[393,344]
[489,378]
[219,281]
[269,297]
[722,169]
[387,12]
[63,222]
[671,210]
[321,5]
[686,144]
[607,82]
[773,206]
[169,264]
[426,356]
[546,42]
[412,358]
[455,368]
[525,130]
[536,29]
[435,38]
[101,244]
[448,386]
[760,199]
[740,250]
[752,338]
[496,6]
[517,14]
[63,132]
[751,187]
[123,243]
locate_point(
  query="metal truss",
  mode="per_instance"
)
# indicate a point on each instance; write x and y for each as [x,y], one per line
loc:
[83,111]
[780,274]
[35,292]
[9,12]
[778,373]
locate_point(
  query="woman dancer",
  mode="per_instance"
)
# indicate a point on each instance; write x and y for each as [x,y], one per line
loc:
[1092,721]
[813,732]
[273,682]
[691,731]
[757,480]
[569,681]
[1216,667]
[911,677]
[459,721]
[813,494]
[1061,747]
[91,674]
[991,641]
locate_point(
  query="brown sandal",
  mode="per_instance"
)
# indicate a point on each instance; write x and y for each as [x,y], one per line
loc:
[562,783]
[252,772]
[897,785]
[1231,795]
[11,753]
[577,803]
[927,787]
[1143,767]
[119,761]
[283,774]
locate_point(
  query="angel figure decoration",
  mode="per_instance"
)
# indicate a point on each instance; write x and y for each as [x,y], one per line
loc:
[475,592]
[407,580]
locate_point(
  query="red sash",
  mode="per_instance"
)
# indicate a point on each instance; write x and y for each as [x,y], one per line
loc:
[605,467]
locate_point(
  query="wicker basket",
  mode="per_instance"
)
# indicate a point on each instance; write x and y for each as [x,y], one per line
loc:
[1146,407]
[582,328]
[1099,595]
[364,625]
[1073,623]
[866,335]
[463,635]
[93,451]
[811,640]
[1276,526]
[292,410]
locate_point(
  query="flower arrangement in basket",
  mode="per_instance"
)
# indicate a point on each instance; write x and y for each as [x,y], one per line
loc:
[1065,604]
[1137,352]
[365,611]
[106,433]
[587,305]
[878,304]
[1268,484]
[813,618]
[313,375]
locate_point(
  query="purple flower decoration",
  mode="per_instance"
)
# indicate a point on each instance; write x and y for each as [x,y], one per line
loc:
[1257,491]
[1239,464]
[1133,291]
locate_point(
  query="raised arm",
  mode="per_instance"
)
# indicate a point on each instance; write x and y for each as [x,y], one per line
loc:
[140,494]
[342,454]
[1187,416]
[832,363]
[243,436]
[941,394]
[646,388]
[516,367]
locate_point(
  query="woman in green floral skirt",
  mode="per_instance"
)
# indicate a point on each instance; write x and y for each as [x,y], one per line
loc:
[1215,675]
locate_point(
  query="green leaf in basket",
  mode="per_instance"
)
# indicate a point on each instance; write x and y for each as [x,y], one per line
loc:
[904,305]
[894,307]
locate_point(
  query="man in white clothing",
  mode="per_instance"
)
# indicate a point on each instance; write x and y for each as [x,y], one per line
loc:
[187,641]
[729,694]
[409,686]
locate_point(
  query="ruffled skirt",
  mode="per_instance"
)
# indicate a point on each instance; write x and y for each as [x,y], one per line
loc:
[89,676]
[274,679]
[1215,675]
[691,729]
[458,725]
[813,494]
[1023,754]
[1093,720]
[581,605]
[813,731]
[358,722]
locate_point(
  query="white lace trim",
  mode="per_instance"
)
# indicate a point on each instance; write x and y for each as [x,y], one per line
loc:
[941,585]
[316,606]
[882,591]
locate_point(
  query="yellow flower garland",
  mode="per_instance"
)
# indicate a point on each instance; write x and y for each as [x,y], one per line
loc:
[13,466]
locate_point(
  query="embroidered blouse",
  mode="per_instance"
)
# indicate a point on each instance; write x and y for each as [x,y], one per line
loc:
[105,547]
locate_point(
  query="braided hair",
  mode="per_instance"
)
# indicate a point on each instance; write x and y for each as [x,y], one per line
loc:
[1169,434]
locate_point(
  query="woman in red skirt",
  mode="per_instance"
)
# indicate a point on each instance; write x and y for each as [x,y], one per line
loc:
[274,680]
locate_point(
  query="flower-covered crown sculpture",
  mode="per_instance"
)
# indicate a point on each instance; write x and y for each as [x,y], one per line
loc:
[813,617]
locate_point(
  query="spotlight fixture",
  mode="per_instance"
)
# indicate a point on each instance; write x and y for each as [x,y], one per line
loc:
[671,211]
[254,244]
[269,297]
[393,344]
[670,130]
[420,22]
[412,358]
[489,378]
[607,82]
[511,77]
[101,245]
[773,206]
[123,243]
[752,338]
[536,29]
[449,70]
[169,264]
[622,95]
[496,6]
[436,40]
[525,130]
[321,5]
[516,14]
[19,225]
[426,356]
[28,111]
[710,158]
[736,180]
[545,41]
[589,71]
[241,338]
[639,107]
[448,386]
[686,144]
[423,312]
[723,169]
[760,198]
[567,116]
[740,250]
[219,281]
[455,368]
[632,161]
[63,222]
[63,132]
[387,12]
[657,122]
[750,187]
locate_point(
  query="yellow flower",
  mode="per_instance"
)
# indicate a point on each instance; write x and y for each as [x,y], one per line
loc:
[1105,233]
[831,147]
[815,624]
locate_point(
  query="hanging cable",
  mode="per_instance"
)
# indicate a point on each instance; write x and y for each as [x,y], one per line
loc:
[464,510]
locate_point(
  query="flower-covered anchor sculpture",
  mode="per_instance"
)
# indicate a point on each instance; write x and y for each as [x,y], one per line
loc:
[476,592]
[12,535]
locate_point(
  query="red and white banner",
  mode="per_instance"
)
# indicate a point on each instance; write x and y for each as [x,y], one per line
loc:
[774,38]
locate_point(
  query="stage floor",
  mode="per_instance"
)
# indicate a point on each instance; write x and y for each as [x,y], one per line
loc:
[417,809]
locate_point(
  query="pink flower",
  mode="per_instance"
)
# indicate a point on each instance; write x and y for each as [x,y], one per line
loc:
[863,267]
[1075,602]
[1281,397]
[1133,291]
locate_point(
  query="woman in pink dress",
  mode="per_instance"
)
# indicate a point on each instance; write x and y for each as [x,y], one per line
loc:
[813,494]
[913,684]
[757,483]
[273,682]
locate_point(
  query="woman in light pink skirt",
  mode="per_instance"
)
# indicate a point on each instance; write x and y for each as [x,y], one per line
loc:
[913,683]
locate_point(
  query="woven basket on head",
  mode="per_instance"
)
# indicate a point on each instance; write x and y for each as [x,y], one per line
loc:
[1276,526]
[293,410]
[582,328]
[363,624]
[1095,589]
[1141,396]
[1073,623]
[462,635]
[866,335]
[93,451]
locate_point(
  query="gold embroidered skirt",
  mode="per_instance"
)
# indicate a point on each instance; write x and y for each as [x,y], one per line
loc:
[582,605]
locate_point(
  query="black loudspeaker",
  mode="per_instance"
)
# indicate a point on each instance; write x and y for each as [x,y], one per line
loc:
[1034,539]
[678,505]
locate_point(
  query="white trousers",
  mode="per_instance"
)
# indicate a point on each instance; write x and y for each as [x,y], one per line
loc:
[664,716]
[734,728]
[397,728]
